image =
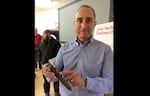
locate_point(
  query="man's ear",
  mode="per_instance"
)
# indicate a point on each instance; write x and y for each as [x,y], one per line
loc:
[95,23]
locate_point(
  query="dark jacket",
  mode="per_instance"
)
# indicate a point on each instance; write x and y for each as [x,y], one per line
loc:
[48,50]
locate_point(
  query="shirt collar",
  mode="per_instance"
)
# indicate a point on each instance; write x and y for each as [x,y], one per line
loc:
[87,43]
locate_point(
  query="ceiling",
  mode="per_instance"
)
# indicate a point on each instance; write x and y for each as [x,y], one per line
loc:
[42,5]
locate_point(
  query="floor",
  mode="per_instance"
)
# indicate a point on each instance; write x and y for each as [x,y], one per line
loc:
[39,85]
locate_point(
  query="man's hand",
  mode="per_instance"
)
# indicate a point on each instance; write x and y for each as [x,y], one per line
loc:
[74,78]
[47,72]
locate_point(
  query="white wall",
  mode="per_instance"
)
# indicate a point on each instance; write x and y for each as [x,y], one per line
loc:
[46,20]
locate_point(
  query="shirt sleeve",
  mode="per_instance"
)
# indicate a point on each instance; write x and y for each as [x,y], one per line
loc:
[103,84]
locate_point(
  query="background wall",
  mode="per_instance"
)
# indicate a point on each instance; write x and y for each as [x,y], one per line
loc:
[66,16]
[111,14]
[47,19]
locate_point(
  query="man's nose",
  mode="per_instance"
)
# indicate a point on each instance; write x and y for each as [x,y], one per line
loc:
[84,24]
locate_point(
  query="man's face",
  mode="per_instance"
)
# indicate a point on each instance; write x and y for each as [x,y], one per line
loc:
[84,23]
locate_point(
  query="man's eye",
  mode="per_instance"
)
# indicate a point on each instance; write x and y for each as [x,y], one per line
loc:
[88,20]
[80,20]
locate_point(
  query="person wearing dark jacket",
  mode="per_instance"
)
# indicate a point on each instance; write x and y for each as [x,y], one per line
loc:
[48,50]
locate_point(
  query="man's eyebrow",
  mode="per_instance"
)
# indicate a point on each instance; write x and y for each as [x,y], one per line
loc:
[88,18]
[84,18]
[79,18]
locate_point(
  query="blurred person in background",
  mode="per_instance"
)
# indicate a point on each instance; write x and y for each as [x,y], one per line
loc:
[48,50]
[37,41]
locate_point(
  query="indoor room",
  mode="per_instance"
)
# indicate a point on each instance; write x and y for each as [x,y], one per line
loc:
[60,23]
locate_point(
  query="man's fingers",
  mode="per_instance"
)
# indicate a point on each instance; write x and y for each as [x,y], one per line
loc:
[49,74]
[66,72]
[70,74]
